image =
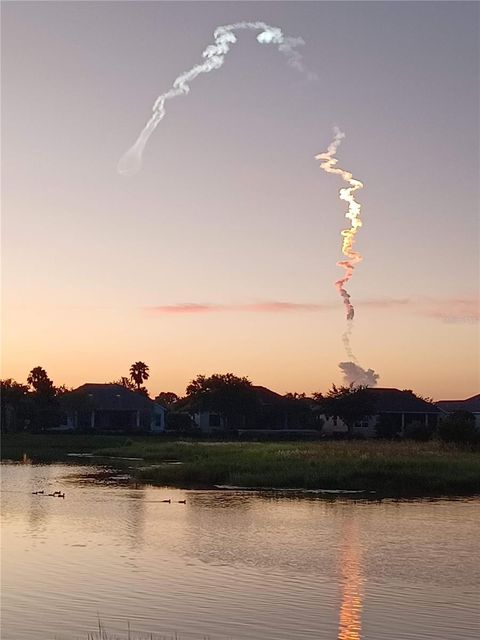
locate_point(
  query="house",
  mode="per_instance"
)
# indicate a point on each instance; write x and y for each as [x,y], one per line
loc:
[111,408]
[398,408]
[472,405]
[271,412]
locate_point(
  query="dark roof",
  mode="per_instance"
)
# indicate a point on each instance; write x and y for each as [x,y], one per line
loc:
[470,404]
[396,401]
[114,396]
[267,396]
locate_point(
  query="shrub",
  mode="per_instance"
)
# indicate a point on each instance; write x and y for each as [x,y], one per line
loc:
[180,423]
[418,431]
[388,427]
[459,427]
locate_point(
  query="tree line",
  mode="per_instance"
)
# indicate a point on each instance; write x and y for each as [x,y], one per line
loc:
[39,405]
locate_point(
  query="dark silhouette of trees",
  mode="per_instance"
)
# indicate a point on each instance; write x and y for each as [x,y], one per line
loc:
[40,382]
[428,399]
[459,427]
[125,382]
[45,411]
[139,373]
[350,404]
[14,402]
[62,390]
[300,413]
[167,399]
[232,397]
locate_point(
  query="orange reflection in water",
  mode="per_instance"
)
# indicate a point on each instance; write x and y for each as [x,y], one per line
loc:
[350,623]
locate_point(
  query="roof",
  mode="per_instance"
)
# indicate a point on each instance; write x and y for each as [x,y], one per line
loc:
[267,396]
[470,404]
[396,401]
[114,397]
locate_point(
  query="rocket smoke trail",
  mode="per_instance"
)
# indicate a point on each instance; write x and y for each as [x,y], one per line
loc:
[353,214]
[214,56]
[353,373]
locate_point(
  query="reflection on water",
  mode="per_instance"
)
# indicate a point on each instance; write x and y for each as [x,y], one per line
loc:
[350,625]
[236,565]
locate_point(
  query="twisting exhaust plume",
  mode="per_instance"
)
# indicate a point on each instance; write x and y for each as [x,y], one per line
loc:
[214,56]
[353,373]
[353,214]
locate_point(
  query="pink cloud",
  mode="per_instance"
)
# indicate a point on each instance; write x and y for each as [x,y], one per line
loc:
[455,310]
[272,306]
[185,308]
[383,303]
[280,307]
[451,310]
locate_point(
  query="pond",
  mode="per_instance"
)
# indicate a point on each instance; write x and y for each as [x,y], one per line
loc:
[230,564]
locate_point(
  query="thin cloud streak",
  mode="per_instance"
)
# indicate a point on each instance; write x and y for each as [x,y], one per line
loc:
[450,310]
[271,306]
[256,307]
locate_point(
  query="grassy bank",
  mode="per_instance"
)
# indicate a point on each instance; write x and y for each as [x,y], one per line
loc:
[389,468]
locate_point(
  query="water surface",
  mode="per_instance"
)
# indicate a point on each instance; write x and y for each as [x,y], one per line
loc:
[230,564]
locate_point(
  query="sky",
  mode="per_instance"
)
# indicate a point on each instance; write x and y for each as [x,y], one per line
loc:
[220,254]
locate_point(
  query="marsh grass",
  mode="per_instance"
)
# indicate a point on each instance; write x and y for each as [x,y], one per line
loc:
[389,468]
[103,634]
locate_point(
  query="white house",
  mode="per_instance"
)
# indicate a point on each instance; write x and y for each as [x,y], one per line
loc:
[472,405]
[399,408]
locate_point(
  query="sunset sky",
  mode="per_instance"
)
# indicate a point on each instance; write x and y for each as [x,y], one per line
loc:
[220,255]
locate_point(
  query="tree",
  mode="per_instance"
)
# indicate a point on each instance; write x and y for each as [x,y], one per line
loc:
[14,405]
[125,382]
[232,397]
[419,396]
[299,411]
[295,396]
[62,390]
[350,404]
[167,399]
[139,373]
[40,382]
[45,406]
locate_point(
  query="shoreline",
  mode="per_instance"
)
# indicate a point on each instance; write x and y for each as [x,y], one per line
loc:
[371,468]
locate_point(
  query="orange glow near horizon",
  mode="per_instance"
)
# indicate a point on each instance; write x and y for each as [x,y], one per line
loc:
[350,623]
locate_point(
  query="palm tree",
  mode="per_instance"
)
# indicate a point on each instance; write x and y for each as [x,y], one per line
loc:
[139,373]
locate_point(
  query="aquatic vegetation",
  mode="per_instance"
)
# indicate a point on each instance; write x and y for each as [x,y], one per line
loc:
[386,467]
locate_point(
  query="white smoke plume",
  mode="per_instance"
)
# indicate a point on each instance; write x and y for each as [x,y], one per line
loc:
[346,341]
[354,374]
[353,214]
[214,57]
